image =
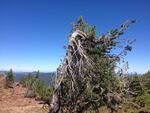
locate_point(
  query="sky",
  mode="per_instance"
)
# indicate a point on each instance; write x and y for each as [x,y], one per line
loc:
[33,32]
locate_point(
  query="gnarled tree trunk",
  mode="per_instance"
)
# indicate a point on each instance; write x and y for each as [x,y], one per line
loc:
[76,65]
[73,64]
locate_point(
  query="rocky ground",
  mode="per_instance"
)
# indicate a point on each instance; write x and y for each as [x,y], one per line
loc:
[13,101]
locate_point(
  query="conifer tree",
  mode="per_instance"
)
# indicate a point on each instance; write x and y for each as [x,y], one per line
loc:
[9,79]
[37,74]
[87,76]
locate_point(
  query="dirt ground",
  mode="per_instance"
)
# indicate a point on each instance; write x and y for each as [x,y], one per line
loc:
[16,103]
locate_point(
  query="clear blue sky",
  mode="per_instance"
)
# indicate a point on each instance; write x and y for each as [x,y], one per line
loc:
[33,32]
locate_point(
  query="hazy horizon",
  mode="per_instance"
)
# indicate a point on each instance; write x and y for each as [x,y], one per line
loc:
[27,71]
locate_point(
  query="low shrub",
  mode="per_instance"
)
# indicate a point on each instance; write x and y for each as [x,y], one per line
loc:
[36,88]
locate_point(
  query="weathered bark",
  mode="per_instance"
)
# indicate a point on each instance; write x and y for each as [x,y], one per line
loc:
[55,105]
[76,63]
[72,65]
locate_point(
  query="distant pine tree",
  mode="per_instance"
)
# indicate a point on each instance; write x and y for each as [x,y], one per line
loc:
[146,80]
[9,79]
[136,87]
[37,74]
